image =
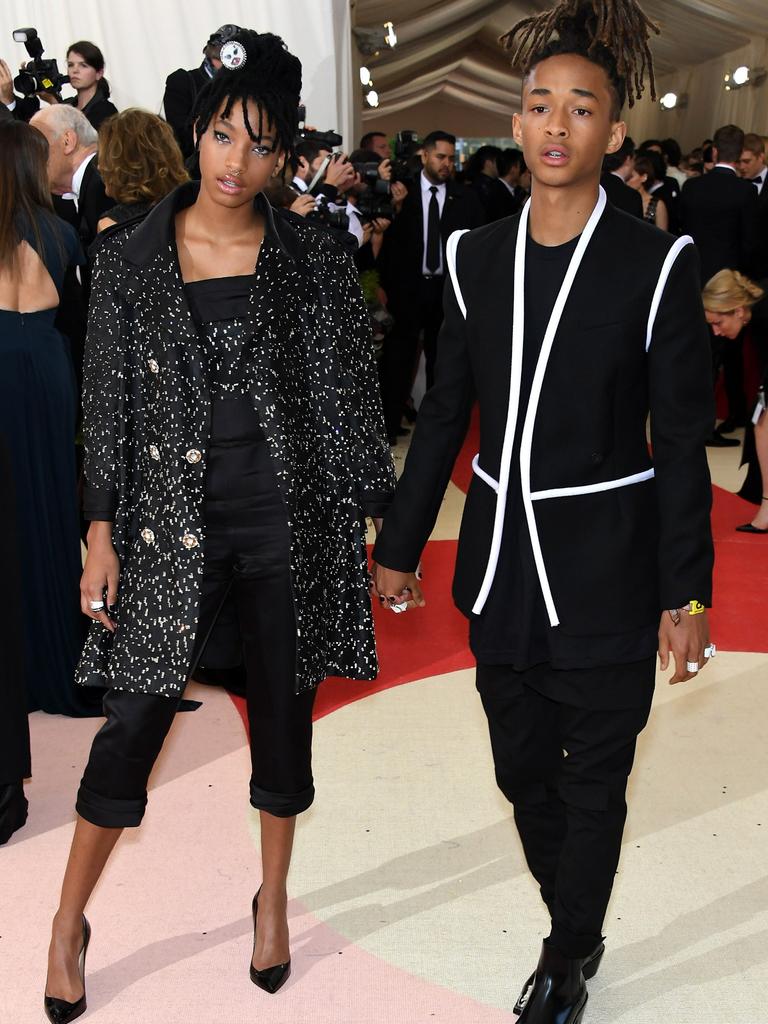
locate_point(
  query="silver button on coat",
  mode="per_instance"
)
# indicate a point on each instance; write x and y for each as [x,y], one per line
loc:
[193,455]
[148,536]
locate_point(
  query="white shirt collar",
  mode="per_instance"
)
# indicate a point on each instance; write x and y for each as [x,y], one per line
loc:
[426,184]
[727,167]
[77,177]
[300,184]
[511,188]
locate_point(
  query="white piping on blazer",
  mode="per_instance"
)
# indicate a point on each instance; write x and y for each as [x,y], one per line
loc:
[501,485]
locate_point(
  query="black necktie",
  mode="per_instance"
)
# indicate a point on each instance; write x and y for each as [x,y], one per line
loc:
[433,233]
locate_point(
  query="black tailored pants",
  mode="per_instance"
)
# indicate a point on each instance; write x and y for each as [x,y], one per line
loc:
[246,596]
[729,354]
[565,769]
[420,310]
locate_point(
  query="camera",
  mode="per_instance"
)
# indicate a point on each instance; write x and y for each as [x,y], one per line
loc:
[406,166]
[376,201]
[38,75]
[324,140]
[322,214]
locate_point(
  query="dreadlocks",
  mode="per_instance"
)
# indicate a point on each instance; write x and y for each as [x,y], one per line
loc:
[270,77]
[611,33]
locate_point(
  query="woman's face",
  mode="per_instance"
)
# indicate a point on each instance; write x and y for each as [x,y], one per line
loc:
[234,168]
[81,74]
[727,325]
[636,180]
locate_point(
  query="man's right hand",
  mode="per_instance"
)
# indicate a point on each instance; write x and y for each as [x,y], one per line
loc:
[393,587]
[6,84]
[100,575]
[340,172]
[303,205]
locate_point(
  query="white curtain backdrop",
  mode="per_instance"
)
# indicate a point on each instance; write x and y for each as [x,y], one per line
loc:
[144,40]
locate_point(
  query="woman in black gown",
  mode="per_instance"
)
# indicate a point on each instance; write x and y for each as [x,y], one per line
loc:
[732,304]
[38,257]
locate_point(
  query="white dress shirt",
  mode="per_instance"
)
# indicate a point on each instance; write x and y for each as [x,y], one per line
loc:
[760,185]
[426,197]
[77,181]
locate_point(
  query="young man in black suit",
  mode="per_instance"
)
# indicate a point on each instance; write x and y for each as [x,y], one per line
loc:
[580,555]
[617,169]
[720,211]
[413,267]
[754,169]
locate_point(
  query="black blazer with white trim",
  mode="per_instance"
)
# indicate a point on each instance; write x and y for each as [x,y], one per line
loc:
[617,535]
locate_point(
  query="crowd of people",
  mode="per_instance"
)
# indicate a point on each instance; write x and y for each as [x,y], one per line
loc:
[204,426]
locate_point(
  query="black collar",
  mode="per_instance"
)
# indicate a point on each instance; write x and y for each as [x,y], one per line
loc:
[156,232]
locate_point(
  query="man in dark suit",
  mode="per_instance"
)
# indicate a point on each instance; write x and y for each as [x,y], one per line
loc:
[506,196]
[580,555]
[754,169]
[617,168]
[414,268]
[182,87]
[720,212]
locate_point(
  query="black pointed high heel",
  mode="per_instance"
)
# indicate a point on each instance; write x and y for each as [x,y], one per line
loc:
[59,1011]
[271,978]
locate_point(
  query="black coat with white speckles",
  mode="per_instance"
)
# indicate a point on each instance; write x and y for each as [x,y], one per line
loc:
[146,422]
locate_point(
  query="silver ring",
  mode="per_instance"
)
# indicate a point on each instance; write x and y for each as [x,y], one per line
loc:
[398,608]
[692,666]
[710,651]
[97,606]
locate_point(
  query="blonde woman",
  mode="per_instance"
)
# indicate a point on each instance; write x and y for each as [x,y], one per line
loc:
[731,302]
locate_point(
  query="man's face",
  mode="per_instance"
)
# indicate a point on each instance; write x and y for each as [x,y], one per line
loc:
[438,162]
[234,167]
[751,164]
[380,146]
[60,151]
[566,125]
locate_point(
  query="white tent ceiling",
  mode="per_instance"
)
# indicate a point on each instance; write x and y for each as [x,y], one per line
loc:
[448,51]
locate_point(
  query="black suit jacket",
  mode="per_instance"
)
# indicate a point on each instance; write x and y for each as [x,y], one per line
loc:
[720,211]
[402,256]
[621,195]
[181,89]
[614,556]
[501,202]
[759,261]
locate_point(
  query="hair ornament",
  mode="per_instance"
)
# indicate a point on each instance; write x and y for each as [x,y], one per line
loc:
[233,55]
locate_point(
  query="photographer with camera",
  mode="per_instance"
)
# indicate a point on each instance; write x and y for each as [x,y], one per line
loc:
[85,68]
[182,87]
[316,157]
[370,205]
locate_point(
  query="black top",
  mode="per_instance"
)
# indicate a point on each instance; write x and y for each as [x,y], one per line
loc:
[97,109]
[513,628]
[221,310]
[124,212]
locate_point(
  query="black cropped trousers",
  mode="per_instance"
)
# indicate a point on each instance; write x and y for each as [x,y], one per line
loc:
[246,595]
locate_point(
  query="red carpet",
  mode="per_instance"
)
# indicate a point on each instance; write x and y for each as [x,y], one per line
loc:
[415,646]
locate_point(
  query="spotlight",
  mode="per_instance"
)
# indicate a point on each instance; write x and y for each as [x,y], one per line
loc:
[741,75]
[669,101]
[371,40]
[365,76]
[373,98]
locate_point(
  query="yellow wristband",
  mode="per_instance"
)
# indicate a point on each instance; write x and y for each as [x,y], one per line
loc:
[696,608]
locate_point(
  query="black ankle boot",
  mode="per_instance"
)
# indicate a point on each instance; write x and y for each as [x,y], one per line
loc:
[590,965]
[559,992]
[13,809]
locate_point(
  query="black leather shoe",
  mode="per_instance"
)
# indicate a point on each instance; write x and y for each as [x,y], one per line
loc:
[271,978]
[729,425]
[13,809]
[59,1011]
[590,965]
[749,528]
[559,993]
[716,440]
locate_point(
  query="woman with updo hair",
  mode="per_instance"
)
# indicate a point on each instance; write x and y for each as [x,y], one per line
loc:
[140,163]
[234,446]
[732,303]
[85,67]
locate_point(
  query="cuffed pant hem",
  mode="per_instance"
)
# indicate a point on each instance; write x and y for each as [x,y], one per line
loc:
[282,805]
[109,812]
[573,944]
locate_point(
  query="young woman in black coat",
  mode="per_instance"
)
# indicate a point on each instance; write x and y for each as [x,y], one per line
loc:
[234,445]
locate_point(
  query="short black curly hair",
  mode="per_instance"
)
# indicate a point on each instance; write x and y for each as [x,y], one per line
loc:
[270,77]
